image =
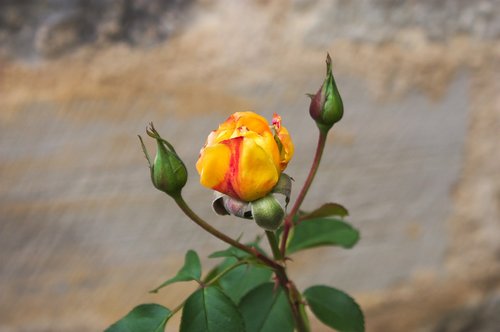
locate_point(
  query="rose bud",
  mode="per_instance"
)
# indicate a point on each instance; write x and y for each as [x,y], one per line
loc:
[244,157]
[326,106]
[168,172]
[268,213]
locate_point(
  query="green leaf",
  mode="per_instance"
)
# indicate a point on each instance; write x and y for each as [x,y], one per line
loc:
[322,232]
[237,253]
[266,310]
[230,252]
[190,271]
[143,318]
[210,310]
[217,269]
[326,210]
[335,308]
[242,279]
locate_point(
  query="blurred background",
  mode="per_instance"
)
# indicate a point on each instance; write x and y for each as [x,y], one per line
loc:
[416,159]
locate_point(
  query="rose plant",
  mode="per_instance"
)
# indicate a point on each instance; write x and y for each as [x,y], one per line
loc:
[250,290]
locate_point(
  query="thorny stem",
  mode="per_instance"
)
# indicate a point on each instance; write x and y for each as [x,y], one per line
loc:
[279,270]
[288,224]
[292,294]
[206,226]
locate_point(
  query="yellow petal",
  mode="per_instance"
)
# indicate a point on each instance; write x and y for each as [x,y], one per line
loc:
[288,147]
[213,164]
[252,121]
[267,143]
[257,173]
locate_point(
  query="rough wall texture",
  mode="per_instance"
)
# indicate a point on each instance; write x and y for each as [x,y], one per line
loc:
[84,235]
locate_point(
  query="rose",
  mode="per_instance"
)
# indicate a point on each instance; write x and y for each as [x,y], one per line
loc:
[245,156]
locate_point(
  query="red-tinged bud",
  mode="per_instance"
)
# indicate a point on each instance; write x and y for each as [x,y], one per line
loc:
[168,172]
[326,105]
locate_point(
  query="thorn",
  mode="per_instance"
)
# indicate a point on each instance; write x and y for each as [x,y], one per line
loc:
[287,258]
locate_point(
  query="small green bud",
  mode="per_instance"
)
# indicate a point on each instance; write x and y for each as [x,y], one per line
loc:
[168,172]
[326,105]
[268,212]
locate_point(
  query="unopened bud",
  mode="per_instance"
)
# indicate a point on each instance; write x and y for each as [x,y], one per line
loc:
[168,172]
[268,212]
[326,105]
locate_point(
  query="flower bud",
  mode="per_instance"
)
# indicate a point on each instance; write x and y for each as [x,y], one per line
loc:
[326,105]
[245,156]
[168,172]
[268,213]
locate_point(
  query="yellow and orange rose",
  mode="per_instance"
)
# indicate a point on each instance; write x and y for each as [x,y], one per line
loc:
[245,156]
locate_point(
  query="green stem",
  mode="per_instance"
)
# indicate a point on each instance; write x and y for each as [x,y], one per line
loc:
[292,294]
[273,243]
[301,322]
[173,312]
[279,269]
[288,224]
[176,309]
[206,226]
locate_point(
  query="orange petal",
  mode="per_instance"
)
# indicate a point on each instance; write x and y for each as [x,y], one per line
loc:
[213,165]
[288,147]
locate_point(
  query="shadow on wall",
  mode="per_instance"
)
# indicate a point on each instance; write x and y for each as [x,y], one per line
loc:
[50,28]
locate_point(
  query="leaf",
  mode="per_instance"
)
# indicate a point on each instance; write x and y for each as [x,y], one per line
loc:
[230,252]
[266,310]
[335,308]
[322,232]
[217,269]
[233,252]
[242,279]
[143,318]
[190,271]
[326,210]
[210,310]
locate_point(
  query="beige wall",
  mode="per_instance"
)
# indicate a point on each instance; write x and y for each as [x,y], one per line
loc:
[84,235]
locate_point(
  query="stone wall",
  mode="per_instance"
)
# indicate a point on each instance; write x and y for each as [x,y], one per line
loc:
[84,235]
